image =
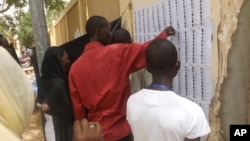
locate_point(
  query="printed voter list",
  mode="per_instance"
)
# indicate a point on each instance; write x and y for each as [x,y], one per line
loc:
[239,132]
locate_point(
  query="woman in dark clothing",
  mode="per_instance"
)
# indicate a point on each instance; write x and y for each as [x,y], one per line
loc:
[54,92]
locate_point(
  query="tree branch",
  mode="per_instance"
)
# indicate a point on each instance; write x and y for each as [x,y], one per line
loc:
[4,10]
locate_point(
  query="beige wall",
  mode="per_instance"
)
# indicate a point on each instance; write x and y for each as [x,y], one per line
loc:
[73,23]
[106,8]
[143,3]
[83,15]
[126,13]
[230,64]
[74,18]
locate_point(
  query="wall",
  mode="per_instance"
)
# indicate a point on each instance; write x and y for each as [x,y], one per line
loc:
[235,89]
[230,71]
[109,9]
[126,13]
[71,23]
[144,3]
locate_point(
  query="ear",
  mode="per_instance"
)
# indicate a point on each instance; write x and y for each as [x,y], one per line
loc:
[148,68]
[96,35]
[178,65]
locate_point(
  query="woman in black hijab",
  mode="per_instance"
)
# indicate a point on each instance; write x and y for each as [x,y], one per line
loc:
[54,92]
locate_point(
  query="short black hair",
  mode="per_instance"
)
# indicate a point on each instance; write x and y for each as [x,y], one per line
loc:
[94,23]
[122,36]
[161,54]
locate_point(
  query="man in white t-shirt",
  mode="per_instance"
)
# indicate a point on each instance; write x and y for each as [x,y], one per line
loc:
[159,114]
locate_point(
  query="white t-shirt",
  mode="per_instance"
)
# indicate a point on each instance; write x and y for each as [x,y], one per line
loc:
[165,116]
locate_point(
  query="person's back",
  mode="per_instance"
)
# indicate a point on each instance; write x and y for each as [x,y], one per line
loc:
[99,82]
[158,113]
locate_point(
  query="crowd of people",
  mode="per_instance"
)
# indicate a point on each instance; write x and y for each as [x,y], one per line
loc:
[90,100]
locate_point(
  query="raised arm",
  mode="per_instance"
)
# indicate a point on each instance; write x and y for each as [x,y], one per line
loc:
[134,54]
[170,31]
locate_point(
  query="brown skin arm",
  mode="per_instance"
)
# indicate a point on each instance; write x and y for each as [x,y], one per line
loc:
[46,109]
[197,139]
[170,31]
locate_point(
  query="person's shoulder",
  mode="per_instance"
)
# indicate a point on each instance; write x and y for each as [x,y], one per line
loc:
[136,95]
[120,45]
[76,64]
[134,99]
[188,104]
[115,46]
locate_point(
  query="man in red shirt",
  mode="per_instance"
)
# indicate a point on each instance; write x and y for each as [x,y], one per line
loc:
[99,79]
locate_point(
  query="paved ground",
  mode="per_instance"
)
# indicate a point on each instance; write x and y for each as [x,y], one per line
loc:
[34,130]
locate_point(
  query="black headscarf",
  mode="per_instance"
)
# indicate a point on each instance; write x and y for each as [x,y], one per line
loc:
[52,66]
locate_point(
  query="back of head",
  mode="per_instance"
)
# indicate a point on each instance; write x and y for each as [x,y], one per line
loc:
[161,55]
[122,36]
[16,98]
[94,23]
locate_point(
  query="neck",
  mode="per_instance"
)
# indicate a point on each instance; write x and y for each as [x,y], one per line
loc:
[162,87]
[161,83]
[92,39]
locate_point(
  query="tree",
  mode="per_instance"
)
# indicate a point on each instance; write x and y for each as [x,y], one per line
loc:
[49,4]
[24,29]
[8,22]
[40,28]
[8,26]
[6,4]
[39,24]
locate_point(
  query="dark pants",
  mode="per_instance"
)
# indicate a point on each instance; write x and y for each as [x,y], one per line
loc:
[127,138]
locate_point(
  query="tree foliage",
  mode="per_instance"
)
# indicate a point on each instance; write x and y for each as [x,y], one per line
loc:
[25,31]
[53,10]
[8,26]
[6,4]
[49,4]
[19,23]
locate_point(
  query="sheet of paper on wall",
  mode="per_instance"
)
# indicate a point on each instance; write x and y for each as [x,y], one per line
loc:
[193,40]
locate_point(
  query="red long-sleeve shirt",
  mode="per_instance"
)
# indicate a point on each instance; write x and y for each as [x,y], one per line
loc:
[99,84]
